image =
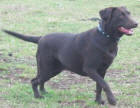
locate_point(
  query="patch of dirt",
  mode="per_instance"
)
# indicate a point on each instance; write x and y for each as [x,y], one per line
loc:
[5,59]
[4,103]
[68,80]
[13,77]
[2,69]
[114,73]
[81,103]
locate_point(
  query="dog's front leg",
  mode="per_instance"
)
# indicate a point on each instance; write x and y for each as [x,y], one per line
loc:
[99,88]
[98,94]
[92,73]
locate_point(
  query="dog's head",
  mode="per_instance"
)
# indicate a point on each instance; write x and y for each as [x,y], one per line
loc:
[118,19]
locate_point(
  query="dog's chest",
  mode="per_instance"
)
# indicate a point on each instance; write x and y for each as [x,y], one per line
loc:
[109,55]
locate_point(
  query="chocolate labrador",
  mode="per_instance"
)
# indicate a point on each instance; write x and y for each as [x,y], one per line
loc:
[88,53]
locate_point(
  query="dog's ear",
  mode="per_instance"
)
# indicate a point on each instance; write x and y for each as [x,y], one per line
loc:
[123,7]
[106,13]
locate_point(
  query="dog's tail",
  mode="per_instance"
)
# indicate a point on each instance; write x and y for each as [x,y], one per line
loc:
[33,39]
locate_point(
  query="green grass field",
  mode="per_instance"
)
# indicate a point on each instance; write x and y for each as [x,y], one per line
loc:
[40,17]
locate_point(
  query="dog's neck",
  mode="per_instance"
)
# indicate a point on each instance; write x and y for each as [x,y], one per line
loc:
[108,32]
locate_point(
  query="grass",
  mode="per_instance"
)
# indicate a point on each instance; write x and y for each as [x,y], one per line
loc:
[65,90]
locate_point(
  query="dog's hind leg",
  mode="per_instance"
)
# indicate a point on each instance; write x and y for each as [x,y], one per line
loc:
[48,67]
[36,81]
[49,74]
[42,88]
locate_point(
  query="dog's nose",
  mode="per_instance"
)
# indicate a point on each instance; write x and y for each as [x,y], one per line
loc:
[135,24]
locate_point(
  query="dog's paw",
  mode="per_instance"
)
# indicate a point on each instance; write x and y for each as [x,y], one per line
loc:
[100,101]
[112,101]
[43,92]
[38,96]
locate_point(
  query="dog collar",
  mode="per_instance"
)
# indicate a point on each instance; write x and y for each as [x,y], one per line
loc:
[105,34]
[101,31]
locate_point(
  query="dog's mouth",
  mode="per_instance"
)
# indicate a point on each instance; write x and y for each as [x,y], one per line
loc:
[126,31]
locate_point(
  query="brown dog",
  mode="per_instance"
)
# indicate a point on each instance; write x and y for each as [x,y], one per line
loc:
[89,53]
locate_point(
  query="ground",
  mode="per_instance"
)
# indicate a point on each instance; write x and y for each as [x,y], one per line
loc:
[67,90]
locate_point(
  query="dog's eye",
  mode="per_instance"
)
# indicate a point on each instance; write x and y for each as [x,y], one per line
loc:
[128,13]
[123,14]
